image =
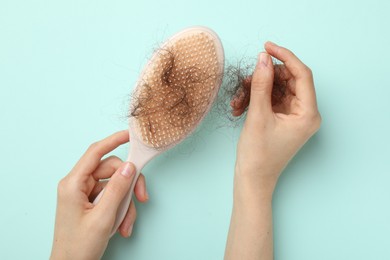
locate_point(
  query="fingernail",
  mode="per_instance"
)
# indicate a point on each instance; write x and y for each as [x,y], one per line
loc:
[263,59]
[130,230]
[128,170]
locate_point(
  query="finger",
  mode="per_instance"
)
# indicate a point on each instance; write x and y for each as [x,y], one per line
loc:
[116,189]
[97,189]
[140,189]
[91,159]
[107,168]
[126,227]
[292,62]
[261,86]
[303,76]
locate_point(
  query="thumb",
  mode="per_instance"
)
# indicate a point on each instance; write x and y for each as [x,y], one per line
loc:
[261,86]
[117,188]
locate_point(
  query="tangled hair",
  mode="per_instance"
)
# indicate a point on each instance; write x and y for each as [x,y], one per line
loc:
[237,85]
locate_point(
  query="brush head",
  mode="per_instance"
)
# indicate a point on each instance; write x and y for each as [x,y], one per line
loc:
[177,88]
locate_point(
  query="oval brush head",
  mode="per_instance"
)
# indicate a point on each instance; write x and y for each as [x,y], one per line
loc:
[177,88]
[173,94]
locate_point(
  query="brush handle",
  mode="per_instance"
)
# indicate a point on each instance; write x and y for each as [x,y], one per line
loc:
[139,155]
[123,206]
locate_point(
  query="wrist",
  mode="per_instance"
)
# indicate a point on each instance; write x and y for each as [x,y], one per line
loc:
[254,187]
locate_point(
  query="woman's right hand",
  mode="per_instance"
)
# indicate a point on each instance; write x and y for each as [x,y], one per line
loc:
[273,133]
[271,136]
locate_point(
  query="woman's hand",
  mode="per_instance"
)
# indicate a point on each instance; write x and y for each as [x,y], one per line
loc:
[275,130]
[277,125]
[82,229]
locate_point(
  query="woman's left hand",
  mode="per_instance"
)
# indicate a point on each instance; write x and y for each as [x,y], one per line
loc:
[82,229]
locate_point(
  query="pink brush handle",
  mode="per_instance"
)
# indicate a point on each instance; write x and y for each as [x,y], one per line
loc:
[140,155]
[124,205]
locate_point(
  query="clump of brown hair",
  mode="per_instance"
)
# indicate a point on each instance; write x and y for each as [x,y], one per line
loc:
[173,99]
[176,88]
[237,87]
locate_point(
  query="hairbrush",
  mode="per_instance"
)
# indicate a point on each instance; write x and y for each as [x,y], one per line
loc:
[173,94]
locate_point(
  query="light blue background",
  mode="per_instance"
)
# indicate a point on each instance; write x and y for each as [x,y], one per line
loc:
[67,67]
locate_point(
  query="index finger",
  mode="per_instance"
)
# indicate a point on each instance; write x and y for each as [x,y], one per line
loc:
[302,74]
[91,158]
